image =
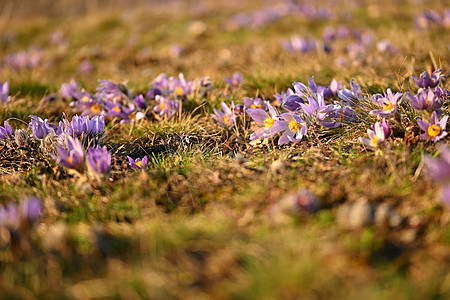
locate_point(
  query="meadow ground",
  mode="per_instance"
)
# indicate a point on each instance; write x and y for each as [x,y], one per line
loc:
[210,216]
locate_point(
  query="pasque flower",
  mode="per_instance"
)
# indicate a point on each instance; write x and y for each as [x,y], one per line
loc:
[377,135]
[425,80]
[166,107]
[226,118]
[426,99]
[439,171]
[99,161]
[255,103]
[138,163]
[294,128]
[4,92]
[71,157]
[6,131]
[267,120]
[235,80]
[435,130]
[41,128]
[388,104]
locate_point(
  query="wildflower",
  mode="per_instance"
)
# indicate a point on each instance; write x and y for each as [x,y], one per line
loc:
[283,95]
[31,209]
[225,118]
[255,103]
[377,136]
[330,91]
[299,44]
[239,109]
[435,130]
[294,128]
[439,171]
[180,87]
[166,107]
[353,95]
[41,128]
[425,80]
[388,104]
[73,156]
[314,105]
[427,100]
[140,101]
[6,132]
[235,80]
[334,115]
[99,161]
[138,163]
[4,92]
[267,120]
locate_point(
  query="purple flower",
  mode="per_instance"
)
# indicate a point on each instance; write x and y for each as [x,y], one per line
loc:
[314,105]
[73,156]
[425,80]
[166,107]
[267,120]
[439,168]
[140,101]
[353,95]
[283,95]
[334,115]
[239,109]
[435,130]
[388,104]
[299,44]
[377,136]
[235,80]
[330,91]
[85,67]
[4,92]
[427,100]
[181,87]
[41,128]
[225,118]
[31,209]
[6,132]
[99,160]
[81,125]
[385,126]
[138,163]
[255,103]
[70,90]
[294,128]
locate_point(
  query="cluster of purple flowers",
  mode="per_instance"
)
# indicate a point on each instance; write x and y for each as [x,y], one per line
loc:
[303,104]
[116,100]
[23,60]
[71,155]
[265,16]
[357,41]
[27,212]
[429,101]
[433,19]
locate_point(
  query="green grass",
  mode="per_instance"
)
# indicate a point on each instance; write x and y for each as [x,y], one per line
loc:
[200,222]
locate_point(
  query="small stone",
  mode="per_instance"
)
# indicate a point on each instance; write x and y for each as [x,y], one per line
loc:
[361,214]
[278,167]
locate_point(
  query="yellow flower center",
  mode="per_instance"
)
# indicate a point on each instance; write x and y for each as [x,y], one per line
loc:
[69,159]
[268,122]
[294,126]
[256,106]
[179,91]
[434,130]
[388,106]
[226,119]
[116,99]
[85,99]
[138,163]
[116,109]
[132,116]
[234,82]
[162,105]
[96,108]
[374,141]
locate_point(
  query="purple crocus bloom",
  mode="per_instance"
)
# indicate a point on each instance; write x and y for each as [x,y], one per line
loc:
[4,92]
[294,128]
[166,107]
[41,128]
[138,163]
[73,156]
[377,136]
[334,115]
[235,80]
[225,118]
[6,132]
[31,209]
[385,126]
[353,95]
[140,101]
[425,80]
[255,103]
[69,90]
[330,91]
[441,93]
[314,105]
[267,120]
[99,160]
[283,95]
[388,104]
[435,130]
[181,87]
[439,168]
[427,100]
